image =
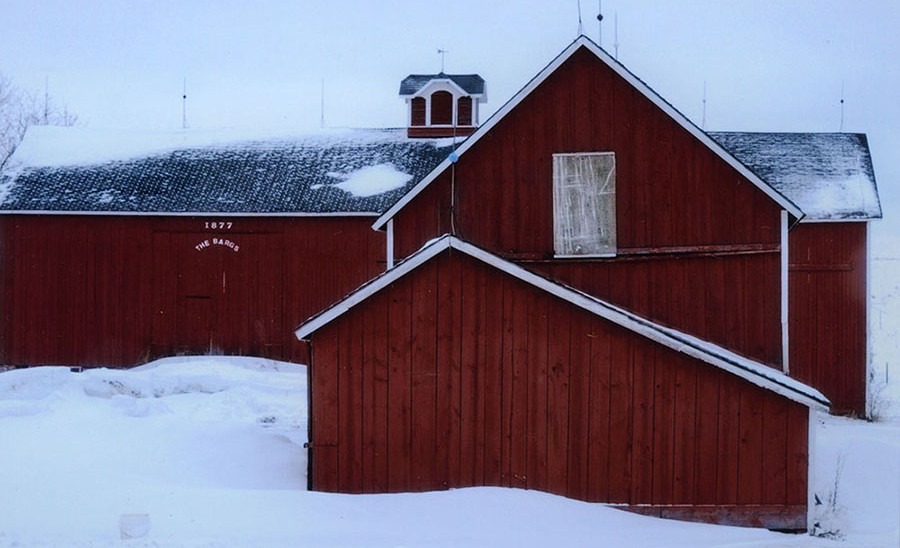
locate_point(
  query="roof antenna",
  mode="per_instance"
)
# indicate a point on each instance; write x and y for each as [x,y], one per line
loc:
[184,123]
[616,38]
[703,123]
[443,52]
[580,26]
[46,99]
[600,23]
[322,118]
[842,107]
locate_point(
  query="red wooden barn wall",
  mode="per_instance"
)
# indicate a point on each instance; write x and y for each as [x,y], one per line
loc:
[731,299]
[686,217]
[827,311]
[117,290]
[459,375]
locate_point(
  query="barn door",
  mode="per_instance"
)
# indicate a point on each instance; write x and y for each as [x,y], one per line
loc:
[219,295]
[250,307]
[198,297]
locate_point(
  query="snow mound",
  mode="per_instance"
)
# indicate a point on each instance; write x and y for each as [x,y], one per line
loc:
[167,423]
[211,451]
[858,480]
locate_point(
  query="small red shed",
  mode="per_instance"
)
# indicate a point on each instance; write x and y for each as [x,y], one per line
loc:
[459,368]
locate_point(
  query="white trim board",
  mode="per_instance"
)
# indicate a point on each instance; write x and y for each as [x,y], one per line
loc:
[435,84]
[390,245]
[752,371]
[637,83]
[812,220]
[187,213]
[811,452]
[868,323]
[785,268]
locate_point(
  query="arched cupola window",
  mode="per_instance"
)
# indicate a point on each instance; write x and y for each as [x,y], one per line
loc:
[464,111]
[441,108]
[417,112]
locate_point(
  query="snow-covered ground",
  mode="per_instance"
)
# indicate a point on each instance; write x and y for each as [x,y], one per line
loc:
[211,451]
[884,376]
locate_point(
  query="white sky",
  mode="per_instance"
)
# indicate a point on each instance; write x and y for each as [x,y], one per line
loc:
[768,65]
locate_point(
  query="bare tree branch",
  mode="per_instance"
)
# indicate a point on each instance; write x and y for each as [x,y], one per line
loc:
[20,109]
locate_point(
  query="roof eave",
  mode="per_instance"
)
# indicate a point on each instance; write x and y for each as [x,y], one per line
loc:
[856,219]
[189,213]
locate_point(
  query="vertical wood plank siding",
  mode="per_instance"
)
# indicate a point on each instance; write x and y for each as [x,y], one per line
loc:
[673,195]
[827,311]
[729,299]
[513,387]
[118,291]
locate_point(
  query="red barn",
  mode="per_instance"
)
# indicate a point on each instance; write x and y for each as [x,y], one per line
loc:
[458,368]
[618,308]
[118,248]
[750,241]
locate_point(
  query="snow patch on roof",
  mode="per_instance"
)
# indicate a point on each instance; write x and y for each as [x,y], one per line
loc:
[828,175]
[50,146]
[848,197]
[45,146]
[372,180]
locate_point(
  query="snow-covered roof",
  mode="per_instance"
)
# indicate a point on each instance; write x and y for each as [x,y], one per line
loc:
[829,175]
[329,172]
[754,372]
[472,84]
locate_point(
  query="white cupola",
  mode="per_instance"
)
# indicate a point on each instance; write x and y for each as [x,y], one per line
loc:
[442,105]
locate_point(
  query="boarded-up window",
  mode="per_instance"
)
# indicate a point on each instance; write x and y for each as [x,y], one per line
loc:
[584,203]
[441,108]
[464,111]
[417,110]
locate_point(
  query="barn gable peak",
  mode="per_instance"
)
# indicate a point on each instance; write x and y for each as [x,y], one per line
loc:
[442,105]
[583,43]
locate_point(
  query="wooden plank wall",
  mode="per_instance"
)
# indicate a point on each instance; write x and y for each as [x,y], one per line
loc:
[458,375]
[689,227]
[731,299]
[827,311]
[117,291]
